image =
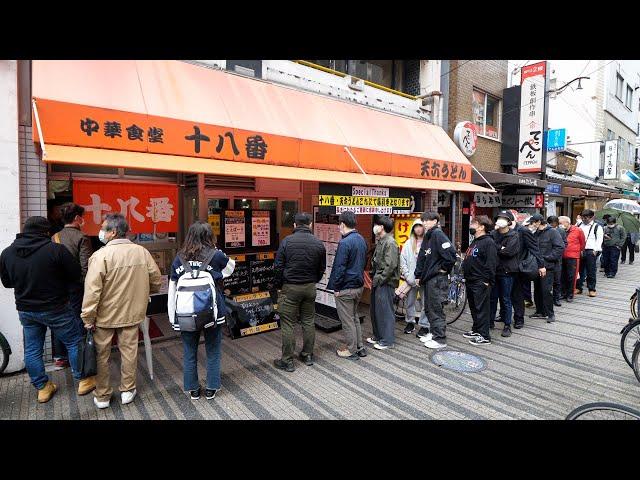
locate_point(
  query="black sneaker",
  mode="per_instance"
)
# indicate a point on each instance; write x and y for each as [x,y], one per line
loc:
[480,340]
[307,359]
[518,325]
[569,299]
[362,352]
[409,328]
[551,319]
[423,332]
[195,394]
[557,303]
[470,334]
[537,315]
[622,261]
[506,331]
[210,394]
[286,366]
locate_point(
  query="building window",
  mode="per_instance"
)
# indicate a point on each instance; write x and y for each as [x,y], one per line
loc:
[387,73]
[610,135]
[629,97]
[622,152]
[486,114]
[619,85]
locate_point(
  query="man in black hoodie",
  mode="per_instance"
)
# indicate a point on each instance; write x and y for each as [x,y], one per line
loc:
[40,272]
[479,269]
[528,244]
[508,245]
[435,261]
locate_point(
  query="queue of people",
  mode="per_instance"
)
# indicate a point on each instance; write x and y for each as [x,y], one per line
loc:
[61,285]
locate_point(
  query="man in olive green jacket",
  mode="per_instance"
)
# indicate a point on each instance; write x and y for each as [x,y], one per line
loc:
[385,279]
[615,237]
[116,295]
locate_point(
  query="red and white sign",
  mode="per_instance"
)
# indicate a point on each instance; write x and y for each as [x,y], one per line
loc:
[148,207]
[466,137]
[260,231]
[532,99]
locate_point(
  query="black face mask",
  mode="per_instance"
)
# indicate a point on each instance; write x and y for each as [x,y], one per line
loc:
[472,231]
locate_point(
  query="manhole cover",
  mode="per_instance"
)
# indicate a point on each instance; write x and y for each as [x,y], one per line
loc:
[458,361]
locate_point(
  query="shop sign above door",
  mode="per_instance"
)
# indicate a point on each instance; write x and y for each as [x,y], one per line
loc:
[489,200]
[466,137]
[523,201]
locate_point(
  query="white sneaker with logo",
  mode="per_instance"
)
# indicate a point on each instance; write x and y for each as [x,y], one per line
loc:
[427,338]
[434,345]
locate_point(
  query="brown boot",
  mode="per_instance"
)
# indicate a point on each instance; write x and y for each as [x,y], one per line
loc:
[46,392]
[87,385]
[592,293]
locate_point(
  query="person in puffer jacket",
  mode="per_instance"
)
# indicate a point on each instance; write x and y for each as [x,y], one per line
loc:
[198,244]
[408,261]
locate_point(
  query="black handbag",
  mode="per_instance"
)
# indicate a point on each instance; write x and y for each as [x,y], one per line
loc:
[528,267]
[87,362]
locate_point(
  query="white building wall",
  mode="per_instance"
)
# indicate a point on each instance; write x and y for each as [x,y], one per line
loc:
[10,202]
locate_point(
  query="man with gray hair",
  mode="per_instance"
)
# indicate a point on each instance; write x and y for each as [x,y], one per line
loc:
[119,279]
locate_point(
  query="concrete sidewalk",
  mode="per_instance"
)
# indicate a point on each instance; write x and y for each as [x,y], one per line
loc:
[541,372]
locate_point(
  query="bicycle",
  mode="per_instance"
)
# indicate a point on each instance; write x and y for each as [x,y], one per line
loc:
[603,411]
[633,305]
[630,338]
[5,352]
[635,361]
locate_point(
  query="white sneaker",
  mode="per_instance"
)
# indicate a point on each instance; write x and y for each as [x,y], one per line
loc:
[372,340]
[435,345]
[377,346]
[427,338]
[127,397]
[100,405]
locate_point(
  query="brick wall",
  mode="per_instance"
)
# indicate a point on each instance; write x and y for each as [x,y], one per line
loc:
[489,76]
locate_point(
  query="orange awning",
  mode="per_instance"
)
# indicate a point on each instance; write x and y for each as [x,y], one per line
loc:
[187,113]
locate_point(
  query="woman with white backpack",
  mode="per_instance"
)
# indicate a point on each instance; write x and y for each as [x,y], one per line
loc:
[196,304]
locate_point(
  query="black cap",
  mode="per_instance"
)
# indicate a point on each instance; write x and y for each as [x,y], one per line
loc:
[536,217]
[505,214]
[37,225]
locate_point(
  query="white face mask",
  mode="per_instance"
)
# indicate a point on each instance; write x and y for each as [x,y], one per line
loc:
[101,236]
[377,229]
[532,228]
[501,223]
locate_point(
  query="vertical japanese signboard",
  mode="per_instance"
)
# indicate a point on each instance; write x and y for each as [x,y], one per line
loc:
[610,160]
[234,229]
[260,229]
[532,107]
[148,207]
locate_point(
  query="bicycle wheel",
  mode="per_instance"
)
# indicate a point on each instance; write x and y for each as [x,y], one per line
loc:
[634,306]
[635,361]
[603,411]
[457,303]
[5,351]
[628,341]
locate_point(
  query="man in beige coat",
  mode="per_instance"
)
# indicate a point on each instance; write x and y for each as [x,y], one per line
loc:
[116,294]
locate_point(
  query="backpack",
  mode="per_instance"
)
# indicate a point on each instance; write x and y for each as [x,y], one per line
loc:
[196,299]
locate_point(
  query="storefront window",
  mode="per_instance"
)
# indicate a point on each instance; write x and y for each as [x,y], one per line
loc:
[267,204]
[214,204]
[240,203]
[486,110]
[289,210]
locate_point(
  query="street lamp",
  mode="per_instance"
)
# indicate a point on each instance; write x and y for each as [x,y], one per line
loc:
[553,92]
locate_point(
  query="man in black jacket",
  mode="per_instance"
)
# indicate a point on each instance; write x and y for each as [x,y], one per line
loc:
[435,261]
[508,245]
[528,244]
[300,264]
[479,269]
[551,249]
[40,272]
[554,222]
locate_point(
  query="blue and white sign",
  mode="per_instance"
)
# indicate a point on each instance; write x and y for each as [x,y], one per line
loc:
[556,139]
[553,188]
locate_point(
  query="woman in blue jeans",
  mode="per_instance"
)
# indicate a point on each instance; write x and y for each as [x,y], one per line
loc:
[198,247]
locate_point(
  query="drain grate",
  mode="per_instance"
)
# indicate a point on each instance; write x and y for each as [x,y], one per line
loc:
[458,361]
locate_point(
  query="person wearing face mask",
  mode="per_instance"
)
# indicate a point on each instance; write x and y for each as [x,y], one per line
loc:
[79,245]
[508,247]
[593,234]
[408,260]
[384,280]
[40,272]
[528,245]
[120,277]
[435,261]
[347,283]
[551,249]
[615,237]
[571,257]
[479,269]
[554,223]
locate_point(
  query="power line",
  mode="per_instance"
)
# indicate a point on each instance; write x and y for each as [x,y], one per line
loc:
[456,67]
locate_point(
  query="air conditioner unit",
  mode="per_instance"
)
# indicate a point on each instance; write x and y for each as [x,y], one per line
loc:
[354,83]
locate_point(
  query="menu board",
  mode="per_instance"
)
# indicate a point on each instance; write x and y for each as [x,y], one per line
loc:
[234,229]
[214,221]
[262,272]
[326,228]
[252,313]
[238,282]
[260,229]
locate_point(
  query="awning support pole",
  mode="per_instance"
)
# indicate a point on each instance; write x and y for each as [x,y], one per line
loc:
[486,181]
[356,162]
[42,145]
